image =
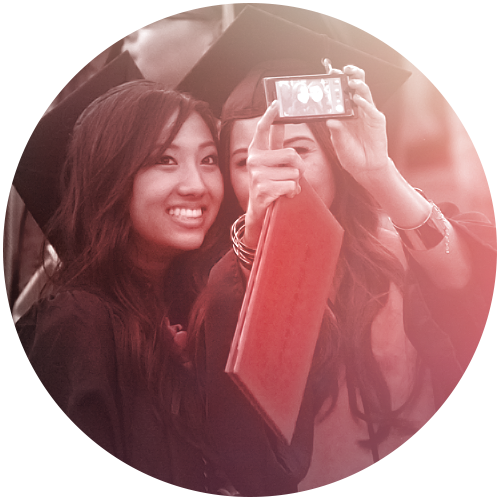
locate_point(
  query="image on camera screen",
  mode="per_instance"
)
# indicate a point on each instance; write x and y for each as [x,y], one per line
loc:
[310,97]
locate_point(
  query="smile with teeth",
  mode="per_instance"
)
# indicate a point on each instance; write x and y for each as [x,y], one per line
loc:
[189,213]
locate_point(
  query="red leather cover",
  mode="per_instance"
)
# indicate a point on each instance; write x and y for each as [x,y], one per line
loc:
[281,314]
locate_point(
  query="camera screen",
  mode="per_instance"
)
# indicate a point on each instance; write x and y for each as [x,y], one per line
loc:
[319,96]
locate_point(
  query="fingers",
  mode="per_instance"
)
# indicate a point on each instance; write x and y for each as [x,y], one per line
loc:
[278,175]
[369,108]
[295,192]
[357,83]
[367,116]
[262,133]
[262,194]
[277,136]
[270,175]
[360,88]
[265,192]
[274,171]
[354,72]
[275,158]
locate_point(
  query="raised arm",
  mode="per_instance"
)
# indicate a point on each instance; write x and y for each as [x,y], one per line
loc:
[361,146]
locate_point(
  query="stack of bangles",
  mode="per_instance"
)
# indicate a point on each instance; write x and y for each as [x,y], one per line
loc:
[246,255]
[428,234]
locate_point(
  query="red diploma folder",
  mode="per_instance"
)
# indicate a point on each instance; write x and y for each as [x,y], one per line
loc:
[283,307]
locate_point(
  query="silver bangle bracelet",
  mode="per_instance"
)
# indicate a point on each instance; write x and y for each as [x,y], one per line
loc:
[245,254]
[429,233]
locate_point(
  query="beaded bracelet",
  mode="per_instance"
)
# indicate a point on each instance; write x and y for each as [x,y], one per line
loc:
[246,255]
[428,234]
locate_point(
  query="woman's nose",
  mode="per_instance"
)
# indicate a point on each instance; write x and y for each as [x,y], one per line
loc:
[192,184]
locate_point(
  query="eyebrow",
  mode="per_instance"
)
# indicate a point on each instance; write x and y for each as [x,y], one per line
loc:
[239,151]
[205,144]
[298,138]
[288,141]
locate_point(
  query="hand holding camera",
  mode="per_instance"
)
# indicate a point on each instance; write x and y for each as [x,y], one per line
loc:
[344,100]
[273,171]
[361,143]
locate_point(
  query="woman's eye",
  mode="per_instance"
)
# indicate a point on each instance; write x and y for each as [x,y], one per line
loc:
[241,163]
[210,160]
[301,150]
[166,160]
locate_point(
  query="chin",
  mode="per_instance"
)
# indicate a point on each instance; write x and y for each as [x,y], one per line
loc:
[187,244]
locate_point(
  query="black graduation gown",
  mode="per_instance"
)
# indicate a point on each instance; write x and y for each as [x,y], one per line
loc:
[454,332]
[70,428]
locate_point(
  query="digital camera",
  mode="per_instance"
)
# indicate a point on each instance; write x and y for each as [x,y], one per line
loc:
[310,97]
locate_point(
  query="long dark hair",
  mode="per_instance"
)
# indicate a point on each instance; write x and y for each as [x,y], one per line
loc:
[116,136]
[365,271]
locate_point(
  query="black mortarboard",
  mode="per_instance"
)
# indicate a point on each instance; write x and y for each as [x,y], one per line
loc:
[308,15]
[38,174]
[256,36]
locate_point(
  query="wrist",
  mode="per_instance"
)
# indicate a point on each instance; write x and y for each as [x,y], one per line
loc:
[245,254]
[377,178]
[253,228]
[397,198]
[428,234]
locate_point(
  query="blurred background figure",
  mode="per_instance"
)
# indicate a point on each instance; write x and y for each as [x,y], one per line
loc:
[64,45]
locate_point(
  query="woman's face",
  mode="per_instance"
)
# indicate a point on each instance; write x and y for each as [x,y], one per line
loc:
[318,171]
[175,202]
[166,43]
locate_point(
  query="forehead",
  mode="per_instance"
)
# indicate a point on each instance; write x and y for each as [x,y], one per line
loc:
[243,131]
[193,131]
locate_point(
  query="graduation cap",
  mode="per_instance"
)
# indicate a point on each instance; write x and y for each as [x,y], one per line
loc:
[308,15]
[258,39]
[37,177]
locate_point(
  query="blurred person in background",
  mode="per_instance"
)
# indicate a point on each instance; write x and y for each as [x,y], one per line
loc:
[71,43]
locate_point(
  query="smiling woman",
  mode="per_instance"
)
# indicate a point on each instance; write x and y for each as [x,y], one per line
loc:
[142,190]
[175,201]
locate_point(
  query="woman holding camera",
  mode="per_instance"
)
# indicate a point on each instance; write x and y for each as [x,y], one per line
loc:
[412,291]
[142,190]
